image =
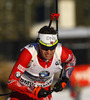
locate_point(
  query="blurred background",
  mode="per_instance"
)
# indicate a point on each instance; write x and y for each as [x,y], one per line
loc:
[20,21]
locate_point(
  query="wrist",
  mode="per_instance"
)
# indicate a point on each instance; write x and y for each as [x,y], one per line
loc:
[64,79]
[36,91]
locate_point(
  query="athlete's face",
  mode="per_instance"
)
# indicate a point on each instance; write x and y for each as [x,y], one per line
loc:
[46,53]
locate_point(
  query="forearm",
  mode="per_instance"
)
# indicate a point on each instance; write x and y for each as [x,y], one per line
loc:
[69,67]
[14,85]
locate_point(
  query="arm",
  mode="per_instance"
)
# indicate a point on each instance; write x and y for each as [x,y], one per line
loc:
[18,70]
[69,59]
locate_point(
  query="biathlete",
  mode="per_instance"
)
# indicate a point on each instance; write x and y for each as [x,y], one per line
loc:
[34,70]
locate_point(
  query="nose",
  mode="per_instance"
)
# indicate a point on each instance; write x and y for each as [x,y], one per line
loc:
[48,51]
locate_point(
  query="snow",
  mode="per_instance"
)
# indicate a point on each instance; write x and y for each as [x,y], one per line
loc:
[65,94]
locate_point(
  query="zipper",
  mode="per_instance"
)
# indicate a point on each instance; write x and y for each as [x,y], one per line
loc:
[46,64]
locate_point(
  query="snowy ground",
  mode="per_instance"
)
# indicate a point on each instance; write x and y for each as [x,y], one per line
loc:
[65,95]
[62,95]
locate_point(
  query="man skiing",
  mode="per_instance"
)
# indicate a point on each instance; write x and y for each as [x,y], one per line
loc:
[34,70]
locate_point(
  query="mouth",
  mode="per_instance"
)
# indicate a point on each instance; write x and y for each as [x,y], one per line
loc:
[48,55]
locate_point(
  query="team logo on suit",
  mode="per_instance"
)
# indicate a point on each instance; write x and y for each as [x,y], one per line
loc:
[17,74]
[44,74]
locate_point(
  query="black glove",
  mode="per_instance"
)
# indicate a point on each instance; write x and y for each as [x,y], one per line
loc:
[60,85]
[40,92]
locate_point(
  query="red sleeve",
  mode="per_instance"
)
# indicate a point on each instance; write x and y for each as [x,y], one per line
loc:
[69,59]
[21,63]
[18,70]
[66,54]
